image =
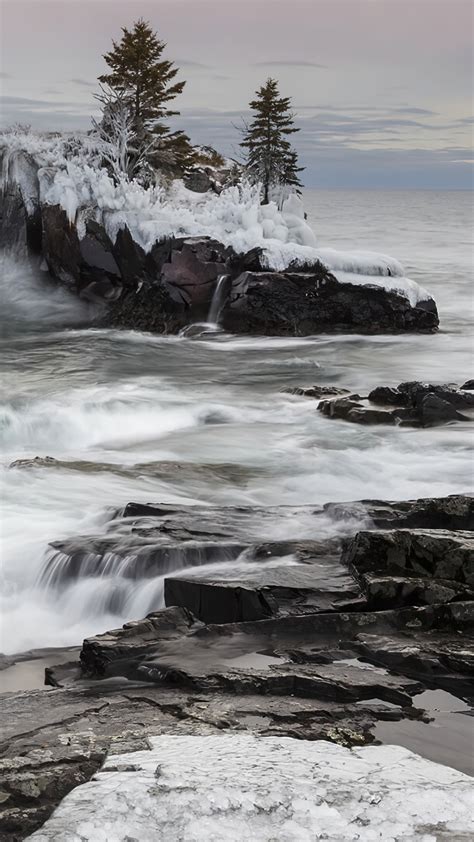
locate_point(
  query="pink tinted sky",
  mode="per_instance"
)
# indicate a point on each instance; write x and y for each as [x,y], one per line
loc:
[382,88]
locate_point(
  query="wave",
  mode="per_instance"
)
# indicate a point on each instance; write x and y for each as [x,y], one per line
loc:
[28,298]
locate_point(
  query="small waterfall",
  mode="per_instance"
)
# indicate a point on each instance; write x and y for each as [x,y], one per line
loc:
[217,303]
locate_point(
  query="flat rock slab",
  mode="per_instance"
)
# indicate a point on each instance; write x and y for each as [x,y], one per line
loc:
[322,585]
[443,659]
[55,740]
[245,787]
[151,539]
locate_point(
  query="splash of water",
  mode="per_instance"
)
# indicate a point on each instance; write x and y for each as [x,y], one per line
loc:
[30,300]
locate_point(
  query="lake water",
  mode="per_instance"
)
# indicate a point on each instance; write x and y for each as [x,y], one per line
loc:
[118,401]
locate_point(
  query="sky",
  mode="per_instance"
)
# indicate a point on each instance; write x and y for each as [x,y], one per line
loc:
[382,90]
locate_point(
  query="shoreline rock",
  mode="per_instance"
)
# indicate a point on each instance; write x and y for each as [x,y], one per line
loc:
[412,404]
[344,638]
[172,285]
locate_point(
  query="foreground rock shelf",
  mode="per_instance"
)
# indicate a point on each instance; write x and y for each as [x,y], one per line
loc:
[238,787]
[318,638]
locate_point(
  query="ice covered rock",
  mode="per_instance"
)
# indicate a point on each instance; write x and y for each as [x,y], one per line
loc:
[135,228]
[245,787]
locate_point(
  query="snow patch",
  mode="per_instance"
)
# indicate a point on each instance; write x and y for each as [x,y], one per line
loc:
[396,283]
[233,787]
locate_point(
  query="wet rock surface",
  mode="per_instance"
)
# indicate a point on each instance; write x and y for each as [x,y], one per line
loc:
[300,303]
[413,404]
[316,638]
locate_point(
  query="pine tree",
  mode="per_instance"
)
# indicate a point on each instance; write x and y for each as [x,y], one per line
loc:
[270,158]
[144,80]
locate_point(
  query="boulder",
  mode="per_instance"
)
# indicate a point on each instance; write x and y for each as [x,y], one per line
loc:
[433,553]
[469,385]
[304,302]
[433,409]
[411,404]
[414,392]
[386,395]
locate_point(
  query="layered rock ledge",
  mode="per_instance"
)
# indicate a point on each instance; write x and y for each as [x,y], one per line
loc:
[314,637]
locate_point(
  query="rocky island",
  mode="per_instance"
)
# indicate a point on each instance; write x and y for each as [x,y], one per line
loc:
[157,260]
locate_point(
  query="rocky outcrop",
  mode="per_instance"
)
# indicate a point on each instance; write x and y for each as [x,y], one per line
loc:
[413,404]
[304,302]
[326,647]
[172,284]
[412,567]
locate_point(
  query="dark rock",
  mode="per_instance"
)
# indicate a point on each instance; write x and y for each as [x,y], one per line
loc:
[301,303]
[198,180]
[435,553]
[318,586]
[126,647]
[383,592]
[315,391]
[386,395]
[433,410]
[418,404]
[170,286]
[455,512]
[193,271]
[32,787]
[415,392]
[251,261]
[61,248]
[469,385]
[88,266]
[347,409]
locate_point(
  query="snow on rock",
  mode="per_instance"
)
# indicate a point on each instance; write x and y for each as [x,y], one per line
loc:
[70,175]
[229,788]
[396,283]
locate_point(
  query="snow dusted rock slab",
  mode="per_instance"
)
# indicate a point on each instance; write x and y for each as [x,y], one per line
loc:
[211,789]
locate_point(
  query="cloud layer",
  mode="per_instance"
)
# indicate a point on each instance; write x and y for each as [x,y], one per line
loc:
[382,91]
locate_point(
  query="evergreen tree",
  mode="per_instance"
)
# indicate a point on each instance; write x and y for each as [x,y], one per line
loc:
[142,78]
[270,158]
